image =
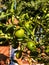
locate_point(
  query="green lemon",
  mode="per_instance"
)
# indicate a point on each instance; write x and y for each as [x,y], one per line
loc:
[19,33]
[18,54]
[31,45]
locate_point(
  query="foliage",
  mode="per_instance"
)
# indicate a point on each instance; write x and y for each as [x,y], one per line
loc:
[33,17]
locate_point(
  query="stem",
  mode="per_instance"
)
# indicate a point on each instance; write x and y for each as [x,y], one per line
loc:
[3,16]
[6,37]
